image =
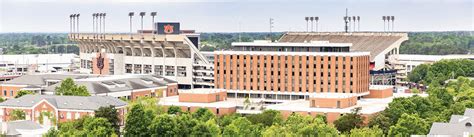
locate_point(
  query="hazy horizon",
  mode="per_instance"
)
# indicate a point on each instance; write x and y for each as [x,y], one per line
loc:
[52,16]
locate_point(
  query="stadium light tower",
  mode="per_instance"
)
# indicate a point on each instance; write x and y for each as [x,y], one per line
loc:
[70,23]
[311,19]
[307,19]
[317,22]
[353,26]
[384,18]
[358,23]
[388,23]
[141,15]
[130,14]
[77,15]
[93,22]
[153,14]
[349,19]
[393,22]
[103,17]
[100,24]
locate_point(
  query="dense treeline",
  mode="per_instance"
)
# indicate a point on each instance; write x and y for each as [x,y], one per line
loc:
[432,43]
[441,71]
[438,43]
[36,43]
[403,117]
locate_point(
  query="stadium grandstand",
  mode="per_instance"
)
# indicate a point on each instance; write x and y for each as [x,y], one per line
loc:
[383,48]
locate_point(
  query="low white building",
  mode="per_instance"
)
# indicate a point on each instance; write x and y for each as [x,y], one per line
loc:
[34,63]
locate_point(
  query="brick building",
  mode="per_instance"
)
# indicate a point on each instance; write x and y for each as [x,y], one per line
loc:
[60,108]
[125,86]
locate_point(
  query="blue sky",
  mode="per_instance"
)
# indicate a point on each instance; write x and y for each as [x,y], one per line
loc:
[238,15]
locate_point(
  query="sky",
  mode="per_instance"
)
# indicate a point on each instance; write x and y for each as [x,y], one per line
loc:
[238,15]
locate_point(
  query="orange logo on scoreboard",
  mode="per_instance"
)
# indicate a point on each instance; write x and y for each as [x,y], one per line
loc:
[168,28]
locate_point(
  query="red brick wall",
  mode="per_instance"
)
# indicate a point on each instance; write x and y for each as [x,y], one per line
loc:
[9,89]
[380,93]
[172,90]
[202,98]
[332,102]
[95,69]
[317,74]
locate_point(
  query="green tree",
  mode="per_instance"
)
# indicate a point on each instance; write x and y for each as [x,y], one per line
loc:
[52,132]
[380,121]
[267,118]
[208,128]
[275,131]
[23,92]
[98,126]
[69,88]
[185,124]
[17,114]
[409,124]
[349,121]
[112,116]
[419,73]
[367,132]
[203,114]
[164,125]
[241,127]
[174,110]
[137,121]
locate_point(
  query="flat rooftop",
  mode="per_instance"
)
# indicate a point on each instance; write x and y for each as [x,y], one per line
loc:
[201,91]
[230,52]
[174,101]
[265,43]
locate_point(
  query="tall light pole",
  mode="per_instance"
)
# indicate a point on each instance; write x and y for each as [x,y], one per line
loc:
[130,14]
[73,23]
[388,23]
[77,15]
[393,23]
[317,22]
[353,26]
[358,23]
[103,17]
[93,22]
[384,18]
[153,14]
[141,16]
[70,24]
[311,19]
[307,19]
[100,24]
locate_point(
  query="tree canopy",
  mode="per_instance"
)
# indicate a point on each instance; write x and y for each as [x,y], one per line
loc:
[69,88]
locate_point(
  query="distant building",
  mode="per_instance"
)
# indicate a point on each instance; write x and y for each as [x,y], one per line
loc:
[38,63]
[313,77]
[125,86]
[174,55]
[458,125]
[61,108]
[191,100]
[405,63]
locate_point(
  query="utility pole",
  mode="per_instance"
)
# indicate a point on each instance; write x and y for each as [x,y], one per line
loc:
[346,21]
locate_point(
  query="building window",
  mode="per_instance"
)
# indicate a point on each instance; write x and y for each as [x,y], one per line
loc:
[77,115]
[4,92]
[217,111]
[68,115]
[11,93]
